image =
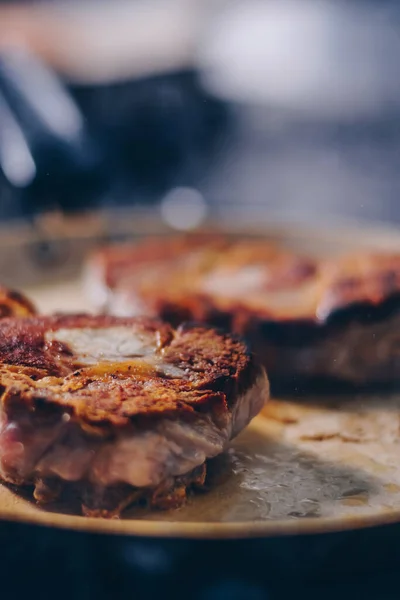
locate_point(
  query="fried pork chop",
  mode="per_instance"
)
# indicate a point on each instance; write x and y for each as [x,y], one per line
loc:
[119,410]
[309,320]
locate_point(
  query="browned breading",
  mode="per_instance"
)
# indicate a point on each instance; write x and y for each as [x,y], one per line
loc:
[23,341]
[32,368]
[123,261]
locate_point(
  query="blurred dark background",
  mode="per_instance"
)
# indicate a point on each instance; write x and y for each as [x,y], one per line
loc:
[284,108]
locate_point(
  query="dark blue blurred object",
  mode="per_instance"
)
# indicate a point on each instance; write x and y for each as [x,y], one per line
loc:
[47,148]
[92,147]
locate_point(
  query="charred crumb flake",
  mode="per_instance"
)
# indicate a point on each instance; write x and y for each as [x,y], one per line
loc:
[13,303]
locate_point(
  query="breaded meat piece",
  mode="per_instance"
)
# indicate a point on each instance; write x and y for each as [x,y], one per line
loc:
[309,320]
[119,410]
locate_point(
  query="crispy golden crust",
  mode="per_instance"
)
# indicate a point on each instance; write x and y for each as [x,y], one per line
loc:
[23,341]
[121,261]
[14,304]
[247,279]
[47,377]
